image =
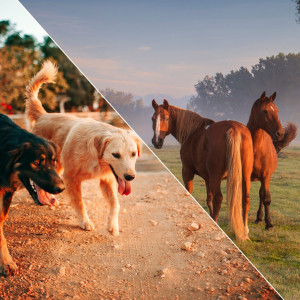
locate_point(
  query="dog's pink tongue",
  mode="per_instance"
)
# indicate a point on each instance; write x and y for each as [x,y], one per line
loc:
[124,187]
[46,198]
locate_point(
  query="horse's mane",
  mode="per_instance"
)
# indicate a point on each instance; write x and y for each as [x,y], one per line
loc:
[187,122]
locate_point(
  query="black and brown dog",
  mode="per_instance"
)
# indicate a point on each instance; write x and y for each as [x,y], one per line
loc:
[24,159]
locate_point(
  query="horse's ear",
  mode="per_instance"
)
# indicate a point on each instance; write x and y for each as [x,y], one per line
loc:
[263,96]
[154,104]
[272,98]
[166,103]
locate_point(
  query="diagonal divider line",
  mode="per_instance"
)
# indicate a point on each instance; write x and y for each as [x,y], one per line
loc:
[145,144]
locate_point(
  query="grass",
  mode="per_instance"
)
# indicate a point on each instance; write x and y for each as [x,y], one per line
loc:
[275,252]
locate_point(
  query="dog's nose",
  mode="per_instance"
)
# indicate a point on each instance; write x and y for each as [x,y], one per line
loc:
[58,189]
[129,177]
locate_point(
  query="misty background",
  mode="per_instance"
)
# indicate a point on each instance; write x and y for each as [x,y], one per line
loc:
[222,96]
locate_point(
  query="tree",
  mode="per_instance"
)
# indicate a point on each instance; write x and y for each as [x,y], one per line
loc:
[80,90]
[298,10]
[231,96]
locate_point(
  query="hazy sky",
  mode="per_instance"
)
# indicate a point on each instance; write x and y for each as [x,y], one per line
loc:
[163,46]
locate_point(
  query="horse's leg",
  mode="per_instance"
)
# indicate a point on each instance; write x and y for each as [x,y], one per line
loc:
[188,177]
[215,188]
[259,215]
[266,197]
[209,198]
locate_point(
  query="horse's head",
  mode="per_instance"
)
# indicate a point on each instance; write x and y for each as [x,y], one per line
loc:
[161,123]
[264,115]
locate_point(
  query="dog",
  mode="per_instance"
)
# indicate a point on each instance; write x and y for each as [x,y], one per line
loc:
[86,149]
[24,158]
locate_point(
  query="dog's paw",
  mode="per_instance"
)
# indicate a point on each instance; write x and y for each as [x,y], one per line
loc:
[87,225]
[113,230]
[8,267]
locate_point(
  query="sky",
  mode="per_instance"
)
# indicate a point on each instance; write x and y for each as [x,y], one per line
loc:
[23,20]
[161,46]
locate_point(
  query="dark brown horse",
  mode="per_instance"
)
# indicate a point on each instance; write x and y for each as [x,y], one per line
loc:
[213,151]
[266,143]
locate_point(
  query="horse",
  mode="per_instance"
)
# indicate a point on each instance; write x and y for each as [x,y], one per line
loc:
[213,151]
[266,144]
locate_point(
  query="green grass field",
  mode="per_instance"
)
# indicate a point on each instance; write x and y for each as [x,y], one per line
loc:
[275,252]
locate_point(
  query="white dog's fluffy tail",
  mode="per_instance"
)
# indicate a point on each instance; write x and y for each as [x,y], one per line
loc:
[47,74]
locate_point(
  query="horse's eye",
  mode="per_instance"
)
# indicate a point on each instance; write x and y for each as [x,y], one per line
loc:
[265,111]
[116,155]
[166,119]
[133,154]
[153,118]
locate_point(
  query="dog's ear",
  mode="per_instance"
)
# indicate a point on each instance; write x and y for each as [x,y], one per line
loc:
[100,142]
[15,154]
[54,146]
[139,143]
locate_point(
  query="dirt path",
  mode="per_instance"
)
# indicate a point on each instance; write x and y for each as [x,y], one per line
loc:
[58,260]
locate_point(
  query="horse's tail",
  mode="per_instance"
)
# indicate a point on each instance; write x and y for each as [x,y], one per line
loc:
[290,133]
[47,74]
[234,182]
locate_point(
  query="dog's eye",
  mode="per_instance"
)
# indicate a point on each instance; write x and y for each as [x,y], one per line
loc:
[116,155]
[133,154]
[37,163]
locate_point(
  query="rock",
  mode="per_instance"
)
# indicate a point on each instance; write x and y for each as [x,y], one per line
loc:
[162,272]
[128,266]
[200,254]
[247,279]
[187,246]
[124,211]
[193,226]
[153,222]
[62,271]
[222,253]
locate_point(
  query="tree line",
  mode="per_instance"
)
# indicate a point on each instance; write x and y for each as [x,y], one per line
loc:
[231,96]
[21,57]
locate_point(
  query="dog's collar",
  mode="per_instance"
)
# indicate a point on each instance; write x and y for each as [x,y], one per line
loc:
[112,169]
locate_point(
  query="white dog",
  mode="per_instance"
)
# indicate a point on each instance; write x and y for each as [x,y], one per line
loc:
[86,149]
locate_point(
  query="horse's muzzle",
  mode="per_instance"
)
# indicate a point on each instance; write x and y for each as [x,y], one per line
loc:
[158,144]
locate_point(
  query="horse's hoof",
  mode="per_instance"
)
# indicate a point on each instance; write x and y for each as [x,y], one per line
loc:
[257,221]
[268,227]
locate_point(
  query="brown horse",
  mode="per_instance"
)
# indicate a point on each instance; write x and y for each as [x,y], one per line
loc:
[266,143]
[212,151]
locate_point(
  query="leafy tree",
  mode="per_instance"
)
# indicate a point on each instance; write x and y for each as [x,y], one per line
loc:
[298,10]
[80,90]
[231,96]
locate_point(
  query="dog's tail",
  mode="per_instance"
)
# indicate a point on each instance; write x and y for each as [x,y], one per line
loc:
[234,182]
[34,107]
